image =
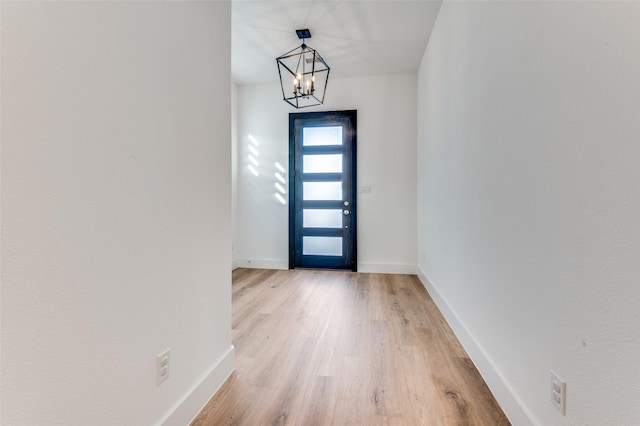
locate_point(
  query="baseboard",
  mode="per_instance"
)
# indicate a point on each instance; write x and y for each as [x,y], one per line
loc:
[235,264]
[377,268]
[387,268]
[511,404]
[198,396]
[262,263]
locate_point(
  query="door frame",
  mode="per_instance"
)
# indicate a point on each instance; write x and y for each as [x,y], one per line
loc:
[342,114]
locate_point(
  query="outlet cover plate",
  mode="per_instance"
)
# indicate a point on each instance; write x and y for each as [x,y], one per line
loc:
[163,364]
[558,393]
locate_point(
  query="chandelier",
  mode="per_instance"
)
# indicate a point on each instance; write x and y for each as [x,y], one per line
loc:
[303,74]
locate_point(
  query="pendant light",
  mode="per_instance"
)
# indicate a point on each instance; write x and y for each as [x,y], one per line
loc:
[303,74]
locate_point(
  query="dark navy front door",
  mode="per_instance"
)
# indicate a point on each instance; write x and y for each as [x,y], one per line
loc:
[322,215]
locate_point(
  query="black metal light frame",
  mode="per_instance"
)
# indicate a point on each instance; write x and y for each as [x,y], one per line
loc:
[308,73]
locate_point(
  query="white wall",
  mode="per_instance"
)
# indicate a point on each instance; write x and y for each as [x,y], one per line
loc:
[529,183]
[115,210]
[386,161]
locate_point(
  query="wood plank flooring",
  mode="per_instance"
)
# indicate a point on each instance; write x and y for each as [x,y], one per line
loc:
[340,348]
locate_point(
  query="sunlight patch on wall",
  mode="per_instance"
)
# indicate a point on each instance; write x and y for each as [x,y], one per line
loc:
[253,155]
[280,184]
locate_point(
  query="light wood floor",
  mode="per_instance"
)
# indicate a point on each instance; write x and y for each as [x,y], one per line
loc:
[340,348]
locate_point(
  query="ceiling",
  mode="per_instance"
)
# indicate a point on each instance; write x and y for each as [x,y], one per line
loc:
[355,37]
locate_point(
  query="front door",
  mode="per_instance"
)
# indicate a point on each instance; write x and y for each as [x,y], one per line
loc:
[322,182]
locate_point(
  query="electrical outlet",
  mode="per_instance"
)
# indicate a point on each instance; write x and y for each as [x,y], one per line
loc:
[163,366]
[559,393]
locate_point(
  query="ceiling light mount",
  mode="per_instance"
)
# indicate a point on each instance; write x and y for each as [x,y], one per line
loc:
[303,74]
[302,34]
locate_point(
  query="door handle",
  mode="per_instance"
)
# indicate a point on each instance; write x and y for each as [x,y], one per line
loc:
[346,212]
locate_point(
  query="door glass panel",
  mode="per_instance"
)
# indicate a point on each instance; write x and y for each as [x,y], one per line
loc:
[322,246]
[315,218]
[322,190]
[322,163]
[319,136]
